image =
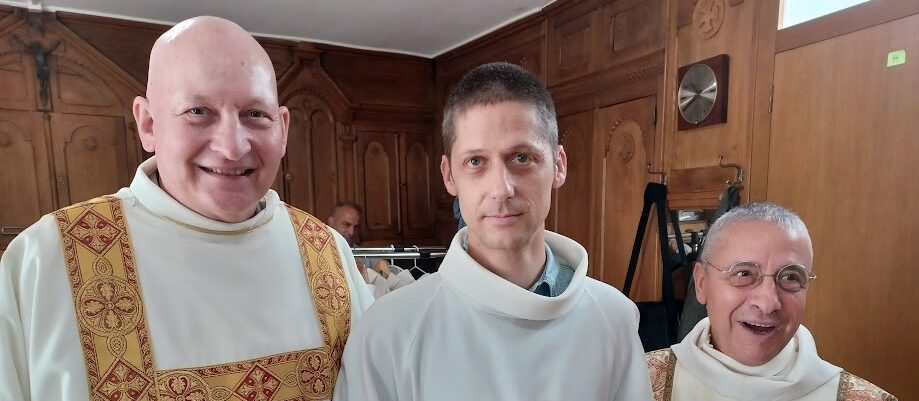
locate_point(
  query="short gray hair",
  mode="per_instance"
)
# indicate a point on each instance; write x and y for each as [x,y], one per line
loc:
[778,215]
[494,83]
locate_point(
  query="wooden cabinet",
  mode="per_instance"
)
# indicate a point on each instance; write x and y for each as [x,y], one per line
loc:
[25,179]
[395,174]
[572,203]
[310,168]
[66,126]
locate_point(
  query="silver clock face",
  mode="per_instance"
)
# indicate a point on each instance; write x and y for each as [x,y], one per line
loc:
[698,91]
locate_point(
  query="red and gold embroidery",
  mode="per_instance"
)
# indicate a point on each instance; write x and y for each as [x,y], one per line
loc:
[116,341]
[661,367]
[854,388]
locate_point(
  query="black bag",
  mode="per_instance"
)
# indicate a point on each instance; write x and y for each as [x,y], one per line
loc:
[660,321]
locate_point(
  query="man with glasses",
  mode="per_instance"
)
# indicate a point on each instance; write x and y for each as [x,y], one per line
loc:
[752,277]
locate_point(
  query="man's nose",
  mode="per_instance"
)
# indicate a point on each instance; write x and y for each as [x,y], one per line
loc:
[231,140]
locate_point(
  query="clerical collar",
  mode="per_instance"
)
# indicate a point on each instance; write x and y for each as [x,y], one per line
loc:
[155,200]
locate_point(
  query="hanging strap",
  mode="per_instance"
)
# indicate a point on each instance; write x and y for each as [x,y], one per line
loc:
[656,194]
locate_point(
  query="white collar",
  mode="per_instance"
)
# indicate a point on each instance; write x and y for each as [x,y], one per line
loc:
[486,289]
[152,198]
[796,371]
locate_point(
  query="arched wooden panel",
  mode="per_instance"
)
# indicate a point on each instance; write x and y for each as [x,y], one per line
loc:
[77,87]
[17,80]
[627,140]
[378,184]
[572,211]
[25,181]
[90,156]
[311,163]
[418,207]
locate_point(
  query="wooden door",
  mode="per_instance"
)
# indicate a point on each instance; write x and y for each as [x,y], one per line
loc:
[625,142]
[843,153]
[311,165]
[25,178]
[416,152]
[572,204]
[377,156]
[90,156]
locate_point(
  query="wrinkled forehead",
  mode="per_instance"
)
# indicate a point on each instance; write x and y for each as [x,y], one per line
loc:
[761,242]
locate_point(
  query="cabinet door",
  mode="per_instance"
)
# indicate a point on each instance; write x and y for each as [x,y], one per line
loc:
[17,78]
[311,164]
[25,180]
[626,134]
[90,156]
[378,184]
[572,209]
[416,152]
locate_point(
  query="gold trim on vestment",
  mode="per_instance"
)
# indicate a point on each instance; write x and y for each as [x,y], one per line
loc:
[115,339]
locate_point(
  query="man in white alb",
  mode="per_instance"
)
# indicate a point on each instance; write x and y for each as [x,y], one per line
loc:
[752,277]
[195,282]
[511,315]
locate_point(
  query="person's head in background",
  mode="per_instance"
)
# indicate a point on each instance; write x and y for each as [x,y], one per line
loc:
[752,277]
[211,117]
[346,219]
[502,158]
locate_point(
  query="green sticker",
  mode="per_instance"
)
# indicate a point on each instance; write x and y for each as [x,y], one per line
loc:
[896,57]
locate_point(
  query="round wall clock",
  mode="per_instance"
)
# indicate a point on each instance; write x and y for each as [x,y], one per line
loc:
[702,96]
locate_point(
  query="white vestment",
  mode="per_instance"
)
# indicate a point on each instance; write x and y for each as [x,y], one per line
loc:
[381,286]
[796,373]
[464,333]
[213,293]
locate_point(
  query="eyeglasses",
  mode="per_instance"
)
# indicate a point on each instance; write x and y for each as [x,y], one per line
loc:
[791,278]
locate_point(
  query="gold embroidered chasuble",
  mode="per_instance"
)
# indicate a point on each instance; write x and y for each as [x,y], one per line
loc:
[117,349]
[662,366]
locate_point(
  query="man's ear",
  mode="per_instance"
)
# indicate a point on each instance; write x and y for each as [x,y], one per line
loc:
[284,115]
[447,173]
[144,120]
[561,167]
[699,276]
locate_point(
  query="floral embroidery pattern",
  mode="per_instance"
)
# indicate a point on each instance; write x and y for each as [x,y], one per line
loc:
[181,386]
[123,382]
[109,306]
[95,232]
[258,385]
[313,371]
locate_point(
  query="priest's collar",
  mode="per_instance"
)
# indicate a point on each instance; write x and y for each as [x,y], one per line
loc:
[497,295]
[155,200]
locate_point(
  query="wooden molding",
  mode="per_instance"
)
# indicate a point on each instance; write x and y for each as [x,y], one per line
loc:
[852,19]
[649,67]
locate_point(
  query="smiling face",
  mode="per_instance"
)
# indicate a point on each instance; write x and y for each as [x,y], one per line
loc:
[752,325]
[503,171]
[212,118]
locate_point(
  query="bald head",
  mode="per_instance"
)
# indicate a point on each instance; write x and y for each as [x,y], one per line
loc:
[212,118]
[208,41]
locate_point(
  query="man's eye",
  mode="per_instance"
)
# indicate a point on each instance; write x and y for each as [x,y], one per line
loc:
[197,111]
[474,161]
[521,158]
[257,114]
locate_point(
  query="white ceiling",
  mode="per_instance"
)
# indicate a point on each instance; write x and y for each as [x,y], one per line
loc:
[424,28]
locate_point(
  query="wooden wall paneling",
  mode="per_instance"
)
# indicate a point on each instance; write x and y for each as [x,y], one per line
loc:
[17,70]
[416,152]
[25,179]
[757,175]
[847,167]
[90,156]
[310,169]
[126,43]
[631,29]
[625,144]
[320,114]
[377,156]
[370,78]
[717,26]
[573,207]
[573,43]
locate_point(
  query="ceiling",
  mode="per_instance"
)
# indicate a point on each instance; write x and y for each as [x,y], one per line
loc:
[424,28]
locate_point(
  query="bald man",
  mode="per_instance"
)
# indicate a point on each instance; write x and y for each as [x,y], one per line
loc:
[195,282]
